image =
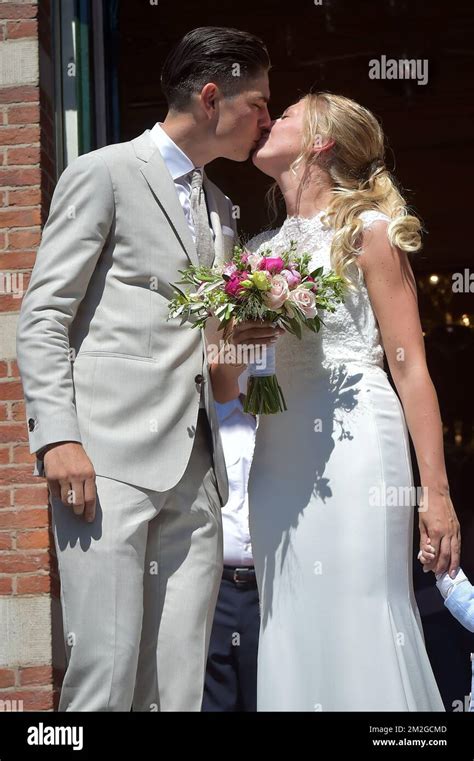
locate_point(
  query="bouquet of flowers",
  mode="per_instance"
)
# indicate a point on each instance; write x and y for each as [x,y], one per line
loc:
[282,289]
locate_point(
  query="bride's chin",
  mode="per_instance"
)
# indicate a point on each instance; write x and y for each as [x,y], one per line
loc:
[261,164]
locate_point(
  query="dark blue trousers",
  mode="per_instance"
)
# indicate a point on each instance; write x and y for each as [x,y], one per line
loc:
[231,676]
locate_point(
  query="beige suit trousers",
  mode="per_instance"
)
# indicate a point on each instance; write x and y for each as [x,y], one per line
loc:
[138,590]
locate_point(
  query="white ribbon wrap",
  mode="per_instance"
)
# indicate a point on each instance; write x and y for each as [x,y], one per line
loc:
[267,365]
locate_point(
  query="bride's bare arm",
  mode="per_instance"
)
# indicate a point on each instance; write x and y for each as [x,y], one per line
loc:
[392,290]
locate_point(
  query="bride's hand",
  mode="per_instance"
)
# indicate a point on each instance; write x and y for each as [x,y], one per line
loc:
[439,527]
[226,370]
[254,332]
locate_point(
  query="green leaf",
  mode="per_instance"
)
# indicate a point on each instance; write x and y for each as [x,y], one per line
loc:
[175,287]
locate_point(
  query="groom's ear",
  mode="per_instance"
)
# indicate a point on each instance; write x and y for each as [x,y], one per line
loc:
[209,95]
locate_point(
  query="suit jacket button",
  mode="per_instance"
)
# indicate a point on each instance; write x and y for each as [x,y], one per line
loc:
[31,424]
[199,379]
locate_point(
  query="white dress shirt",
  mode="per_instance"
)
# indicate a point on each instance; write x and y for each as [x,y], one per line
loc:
[237,429]
[179,166]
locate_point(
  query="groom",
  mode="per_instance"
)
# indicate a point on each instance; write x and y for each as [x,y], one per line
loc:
[119,404]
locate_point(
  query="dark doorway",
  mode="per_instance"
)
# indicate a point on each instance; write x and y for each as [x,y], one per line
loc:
[329,46]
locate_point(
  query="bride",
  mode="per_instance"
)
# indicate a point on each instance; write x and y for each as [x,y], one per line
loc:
[331,487]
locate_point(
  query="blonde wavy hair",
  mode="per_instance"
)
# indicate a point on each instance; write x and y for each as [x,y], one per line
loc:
[356,168]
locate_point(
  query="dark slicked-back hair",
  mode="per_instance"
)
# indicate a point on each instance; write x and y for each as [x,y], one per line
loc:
[227,57]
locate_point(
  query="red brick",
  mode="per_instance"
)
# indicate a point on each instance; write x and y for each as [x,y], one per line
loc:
[5,498]
[29,496]
[17,474]
[23,94]
[22,454]
[19,135]
[24,238]
[29,154]
[19,176]
[37,539]
[33,700]
[11,389]
[17,29]
[14,371]
[19,563]
[3,365]
[13,431]
[7,678]
[4,455]
[17,519]
[20,217]
[18,411]
[11,303]
[24,196]
[4,410]
[6,586]
[29,114]
[6,541]
[19,10]
[18,260]
[33,585]
[36,675]
[3,240]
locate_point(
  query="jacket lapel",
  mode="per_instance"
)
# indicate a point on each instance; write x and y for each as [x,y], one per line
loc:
[163,188]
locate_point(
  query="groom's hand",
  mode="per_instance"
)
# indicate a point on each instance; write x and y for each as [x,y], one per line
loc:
[71,477]
[256,332]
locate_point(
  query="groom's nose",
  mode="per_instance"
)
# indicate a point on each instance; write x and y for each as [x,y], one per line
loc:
[265,121]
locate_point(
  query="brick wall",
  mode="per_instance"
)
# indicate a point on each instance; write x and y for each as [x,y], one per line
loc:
[28,572]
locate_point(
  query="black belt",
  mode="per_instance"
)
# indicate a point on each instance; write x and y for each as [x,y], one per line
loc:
[239,574]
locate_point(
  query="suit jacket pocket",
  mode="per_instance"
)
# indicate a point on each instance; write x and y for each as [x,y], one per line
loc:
[115,354]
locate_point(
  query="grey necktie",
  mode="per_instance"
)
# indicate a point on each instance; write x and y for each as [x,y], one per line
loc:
[204,241]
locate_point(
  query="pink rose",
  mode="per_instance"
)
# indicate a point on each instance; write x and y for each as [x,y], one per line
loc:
[272,264]
[304,299]
[233,287]
[292,277]
[278,293]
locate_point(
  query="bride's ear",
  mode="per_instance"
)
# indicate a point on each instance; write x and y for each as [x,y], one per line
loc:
[317,148]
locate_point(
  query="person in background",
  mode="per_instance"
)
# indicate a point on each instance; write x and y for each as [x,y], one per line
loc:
[458,594]
[231,675]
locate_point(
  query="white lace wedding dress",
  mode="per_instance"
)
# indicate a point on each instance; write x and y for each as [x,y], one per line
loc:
[332,540]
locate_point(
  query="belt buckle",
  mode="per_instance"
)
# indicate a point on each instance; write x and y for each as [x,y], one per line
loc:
[239,581]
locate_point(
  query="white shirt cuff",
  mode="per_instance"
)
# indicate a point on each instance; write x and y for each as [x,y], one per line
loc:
[446,584]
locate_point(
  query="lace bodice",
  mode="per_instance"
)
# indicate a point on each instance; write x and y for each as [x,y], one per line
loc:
[350,335]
